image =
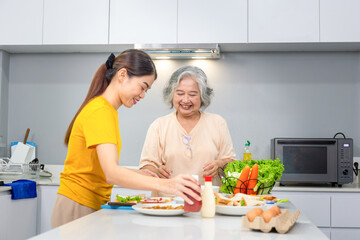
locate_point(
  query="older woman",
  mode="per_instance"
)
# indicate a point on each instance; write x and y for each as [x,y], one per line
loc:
[188,140]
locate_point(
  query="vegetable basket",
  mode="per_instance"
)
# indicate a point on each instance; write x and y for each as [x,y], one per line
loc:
[269,171]
[228,180]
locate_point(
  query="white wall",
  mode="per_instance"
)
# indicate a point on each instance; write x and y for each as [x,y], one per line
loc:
[261,95]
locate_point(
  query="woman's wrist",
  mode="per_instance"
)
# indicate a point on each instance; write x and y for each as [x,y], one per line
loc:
[160,184]
[222,162]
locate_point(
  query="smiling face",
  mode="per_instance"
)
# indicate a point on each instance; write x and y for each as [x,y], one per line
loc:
[134,89]
[187,99]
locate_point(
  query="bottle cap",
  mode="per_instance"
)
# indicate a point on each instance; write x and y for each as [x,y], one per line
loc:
[208,178]
[247,143]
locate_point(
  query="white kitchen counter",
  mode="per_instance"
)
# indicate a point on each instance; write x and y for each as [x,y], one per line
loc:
[129,224]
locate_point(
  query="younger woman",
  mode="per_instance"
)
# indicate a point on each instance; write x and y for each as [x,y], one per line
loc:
[93,139]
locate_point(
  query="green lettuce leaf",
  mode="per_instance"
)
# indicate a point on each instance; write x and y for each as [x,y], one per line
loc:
[269,172]
[127,198]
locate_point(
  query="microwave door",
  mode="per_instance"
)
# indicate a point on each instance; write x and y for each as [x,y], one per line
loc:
[309,163]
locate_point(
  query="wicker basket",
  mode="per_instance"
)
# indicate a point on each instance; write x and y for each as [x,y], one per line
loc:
[243,186]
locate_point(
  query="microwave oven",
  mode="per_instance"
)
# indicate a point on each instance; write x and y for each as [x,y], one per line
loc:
[314,160]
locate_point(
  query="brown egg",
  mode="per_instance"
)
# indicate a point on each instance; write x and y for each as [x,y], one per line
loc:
[252,214]
[269,214]
[276,209]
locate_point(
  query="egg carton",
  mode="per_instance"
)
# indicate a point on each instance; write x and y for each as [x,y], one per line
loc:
[282,223]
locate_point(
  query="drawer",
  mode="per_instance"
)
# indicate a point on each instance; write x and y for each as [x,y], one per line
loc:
[345,234]
[345,210]
[315,206]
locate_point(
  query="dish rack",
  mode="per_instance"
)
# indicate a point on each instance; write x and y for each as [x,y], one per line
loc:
[16,171]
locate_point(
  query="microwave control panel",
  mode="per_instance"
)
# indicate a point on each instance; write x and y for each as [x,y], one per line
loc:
[345,160]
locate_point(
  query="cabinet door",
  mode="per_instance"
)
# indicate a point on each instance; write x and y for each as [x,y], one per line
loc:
[21,22]
[47,196]
[22,223]
[345,233]
[313,205]
[339,20]
[345,210]
[4,213]
[17,217]
[143,21]
[212,21]
[283,21]
[76,22]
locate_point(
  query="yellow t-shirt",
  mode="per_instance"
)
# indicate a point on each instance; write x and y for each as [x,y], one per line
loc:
[83,179]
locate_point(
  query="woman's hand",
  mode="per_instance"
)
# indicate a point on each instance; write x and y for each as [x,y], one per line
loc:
[183,186]
[210,168]
[164,172]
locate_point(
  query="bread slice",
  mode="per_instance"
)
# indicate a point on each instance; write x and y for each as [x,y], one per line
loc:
[221,199]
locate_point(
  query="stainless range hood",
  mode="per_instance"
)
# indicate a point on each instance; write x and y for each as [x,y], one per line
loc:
[181,51]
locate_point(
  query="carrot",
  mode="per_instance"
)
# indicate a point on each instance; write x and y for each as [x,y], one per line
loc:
[241,184]
[252,179]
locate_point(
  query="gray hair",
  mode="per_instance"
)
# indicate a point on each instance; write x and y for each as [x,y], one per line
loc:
[198,75]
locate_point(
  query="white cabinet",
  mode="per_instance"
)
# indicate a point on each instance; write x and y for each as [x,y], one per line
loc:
[4,202]
[76,22]
[17,217]
[316,207]
[22,218]
[335,213]
[345,234]
[143,21]
[283,21]
[21,22]
[345,211]
[47,196]
[212,21]
[339,20]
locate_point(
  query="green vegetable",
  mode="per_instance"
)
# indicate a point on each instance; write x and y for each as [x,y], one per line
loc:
[282,200]
[127,198]
[269,172]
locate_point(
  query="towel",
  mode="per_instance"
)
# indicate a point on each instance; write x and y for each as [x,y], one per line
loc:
[117,207]
[21,189]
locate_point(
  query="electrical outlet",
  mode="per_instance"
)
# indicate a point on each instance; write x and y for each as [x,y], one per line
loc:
[356,177]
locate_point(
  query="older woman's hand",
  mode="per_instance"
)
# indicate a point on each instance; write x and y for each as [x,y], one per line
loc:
[164,172]
[210,168]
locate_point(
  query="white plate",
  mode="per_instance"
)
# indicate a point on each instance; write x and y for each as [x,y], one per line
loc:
[158,212]
[238,210]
